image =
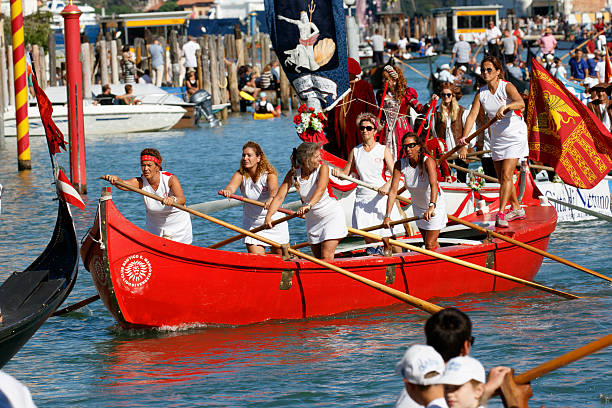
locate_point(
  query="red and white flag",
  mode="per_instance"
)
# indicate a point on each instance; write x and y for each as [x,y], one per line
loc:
[67,192]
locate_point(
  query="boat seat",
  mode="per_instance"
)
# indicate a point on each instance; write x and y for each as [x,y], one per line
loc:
[413,241]
[41,296]
[19,286]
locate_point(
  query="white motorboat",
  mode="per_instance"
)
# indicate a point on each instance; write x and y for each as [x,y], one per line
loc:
[103,119]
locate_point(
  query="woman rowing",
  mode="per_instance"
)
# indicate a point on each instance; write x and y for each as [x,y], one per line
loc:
[258,180]
[163,219]
[325,224]
[501,100]
[421,180]
[369,159]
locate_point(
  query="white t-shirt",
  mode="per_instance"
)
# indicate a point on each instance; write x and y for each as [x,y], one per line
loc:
[492,34]
[402,43]
[446,76]
[189,52]
[600,68]
[378,42]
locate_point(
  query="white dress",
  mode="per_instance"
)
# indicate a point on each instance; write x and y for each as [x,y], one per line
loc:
[253,215]
[420,193]
[509,135]
[325,220]
[163,220]
[370,207]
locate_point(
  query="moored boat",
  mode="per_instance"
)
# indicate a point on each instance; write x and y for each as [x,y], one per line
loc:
[28,298]
[148,281]
[105,119]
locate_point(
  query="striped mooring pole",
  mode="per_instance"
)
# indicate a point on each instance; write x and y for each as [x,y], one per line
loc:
[74,88]
[21,91]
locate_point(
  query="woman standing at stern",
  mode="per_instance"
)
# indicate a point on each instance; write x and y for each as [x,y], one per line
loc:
[369,159]
[324,216]
[258,180]
[501,100]
[162,219]
[421,179]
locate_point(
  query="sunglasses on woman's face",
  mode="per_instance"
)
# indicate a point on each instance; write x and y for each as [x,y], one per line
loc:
[489,70]
[409,146]
[366,128]
[447,95]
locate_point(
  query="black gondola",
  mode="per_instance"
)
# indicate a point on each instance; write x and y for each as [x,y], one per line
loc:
[28,298]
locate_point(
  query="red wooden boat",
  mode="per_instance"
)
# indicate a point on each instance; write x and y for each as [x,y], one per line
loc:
[148,281]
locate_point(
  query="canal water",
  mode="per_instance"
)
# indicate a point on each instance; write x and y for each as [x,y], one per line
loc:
[84,360]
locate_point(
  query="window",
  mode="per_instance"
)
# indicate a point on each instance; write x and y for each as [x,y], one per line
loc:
[463,22]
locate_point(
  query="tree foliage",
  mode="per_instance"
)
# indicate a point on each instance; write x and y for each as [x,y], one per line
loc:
[169,6]
[36,28]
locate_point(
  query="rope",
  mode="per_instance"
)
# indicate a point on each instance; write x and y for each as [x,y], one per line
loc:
[224,86]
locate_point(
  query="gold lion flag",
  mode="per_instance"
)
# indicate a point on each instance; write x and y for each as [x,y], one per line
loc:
[564,133]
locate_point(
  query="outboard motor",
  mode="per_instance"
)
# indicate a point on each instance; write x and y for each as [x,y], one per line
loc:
[203,107]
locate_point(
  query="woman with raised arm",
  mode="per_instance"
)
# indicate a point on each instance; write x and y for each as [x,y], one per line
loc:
[258,180]
[324,216]
[421,180]
[163,219]
[501,100]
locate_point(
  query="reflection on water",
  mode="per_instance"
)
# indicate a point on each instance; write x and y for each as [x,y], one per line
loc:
[84,360]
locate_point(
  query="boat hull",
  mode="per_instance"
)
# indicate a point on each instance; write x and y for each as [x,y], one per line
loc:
[105,119]
[145,280]
[28,298]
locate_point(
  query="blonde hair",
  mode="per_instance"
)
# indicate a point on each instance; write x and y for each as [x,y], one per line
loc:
[399,89]
[264,165]
[454,106]
[299,157]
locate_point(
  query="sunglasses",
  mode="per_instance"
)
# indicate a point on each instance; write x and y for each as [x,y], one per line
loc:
[368,128]
[409,146]
[447,95]
[489,70]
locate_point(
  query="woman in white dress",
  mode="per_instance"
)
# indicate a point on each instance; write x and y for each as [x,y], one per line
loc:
[162,219]
[421,180]
[369,160]
[501,100]
[258,180]
[324,216]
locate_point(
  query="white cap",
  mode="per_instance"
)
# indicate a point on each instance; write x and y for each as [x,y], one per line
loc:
[550,57]
[460,370]
[463,68]
[444,66]
[421,365]
[590,56]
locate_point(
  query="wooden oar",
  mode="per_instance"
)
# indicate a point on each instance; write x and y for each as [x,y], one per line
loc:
[412,68]
[500,236]
[412,300]
[595,214]
[470,155]
[257,229]
[583,44]
[473,135]
[255,202]
[564,360]
[455,260]
[372,228]
[76,305]
[540,167]
[465,263]
[476,173]
[226,203]
[527,247]
[367,185]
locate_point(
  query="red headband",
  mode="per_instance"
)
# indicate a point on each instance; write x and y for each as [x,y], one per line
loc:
[150,158]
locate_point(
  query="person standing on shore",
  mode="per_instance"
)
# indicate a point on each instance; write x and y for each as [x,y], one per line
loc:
[156,54]
[492,36]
